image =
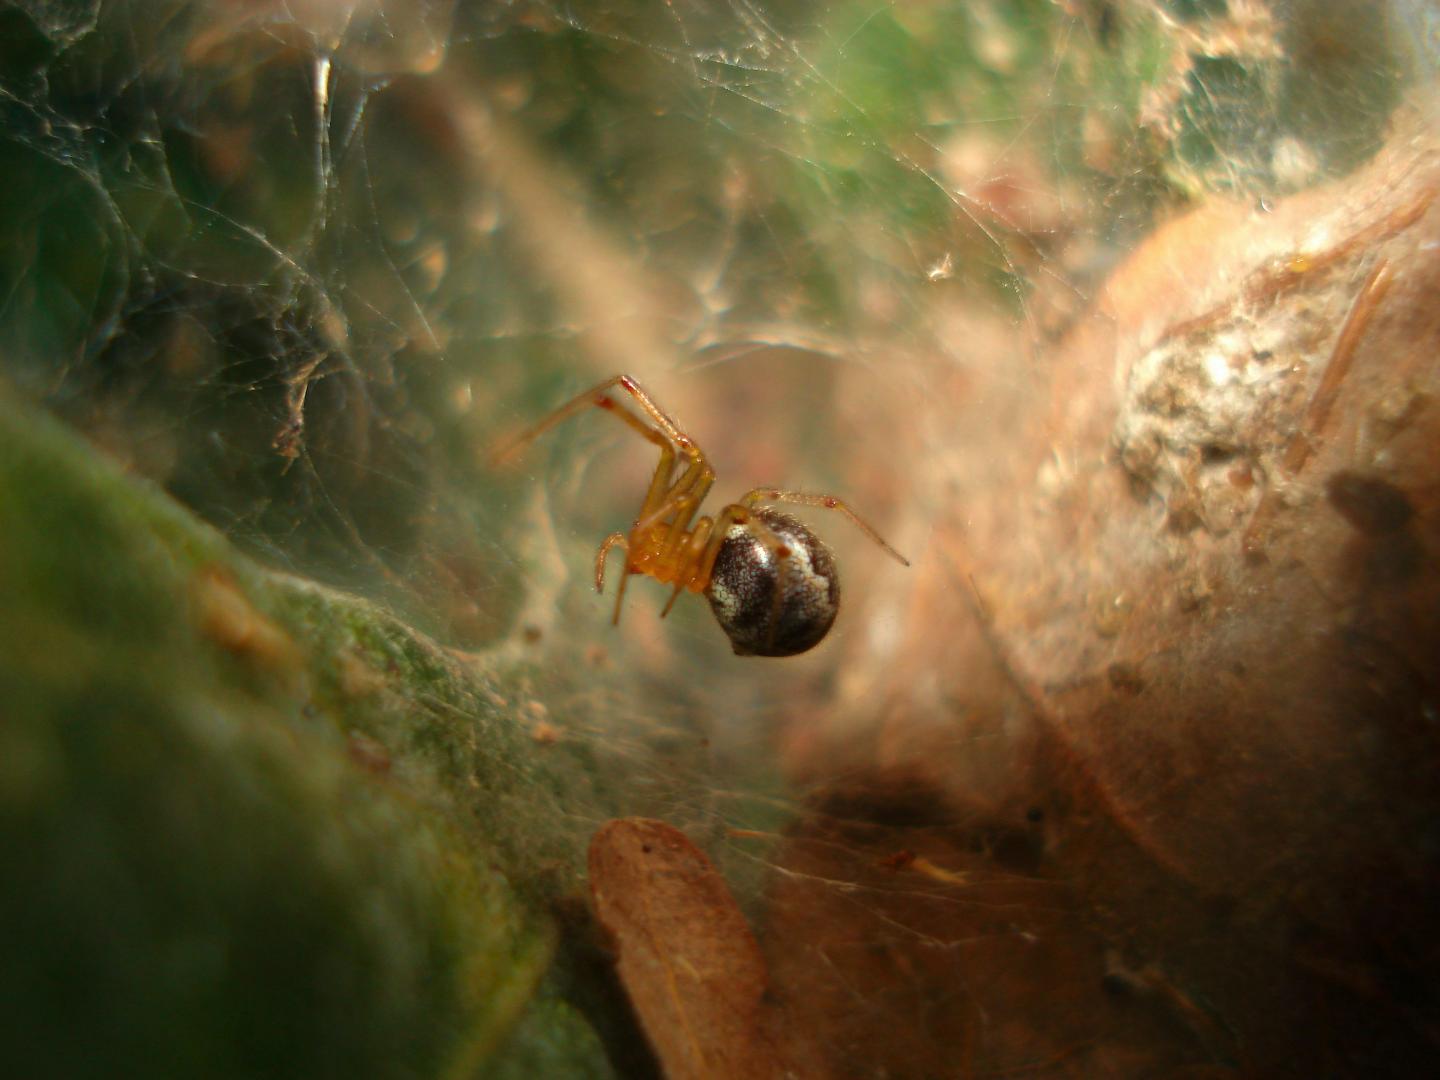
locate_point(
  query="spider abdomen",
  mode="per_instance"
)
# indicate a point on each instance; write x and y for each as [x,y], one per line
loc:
[773,599]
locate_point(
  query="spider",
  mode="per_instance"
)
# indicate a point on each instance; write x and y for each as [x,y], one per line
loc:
[771,582]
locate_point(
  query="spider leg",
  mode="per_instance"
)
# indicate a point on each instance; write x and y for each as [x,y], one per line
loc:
[664,490]
[613,540]
[681,500]
[659,483]
[825,502]
[689,562]
[620,597]
[609,542]
[660,416]
[674,595]
[696,549]
[658,539]
[597,396]
[662,496]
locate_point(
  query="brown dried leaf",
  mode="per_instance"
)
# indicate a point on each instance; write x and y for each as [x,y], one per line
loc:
[684,952]
[1209,571]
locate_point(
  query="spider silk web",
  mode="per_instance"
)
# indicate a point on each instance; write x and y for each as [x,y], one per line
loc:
[305,264]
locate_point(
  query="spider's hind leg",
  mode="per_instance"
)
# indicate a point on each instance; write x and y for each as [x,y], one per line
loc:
[761,496]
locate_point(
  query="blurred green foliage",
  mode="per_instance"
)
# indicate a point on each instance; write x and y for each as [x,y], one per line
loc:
[205,870]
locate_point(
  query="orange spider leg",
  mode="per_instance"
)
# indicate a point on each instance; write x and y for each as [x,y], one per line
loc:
[663,497]
[643,554]
[620,596]
[689,561]
[662,493]
[600,557]
[668,438]
[682,500]
[660,548]
[659,415]
[659,533]
[825,502]
[609,542]
[695,552]
[659,485]
[667,426]
[664,468]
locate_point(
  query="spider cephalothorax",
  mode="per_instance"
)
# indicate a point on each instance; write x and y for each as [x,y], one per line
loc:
[771,582]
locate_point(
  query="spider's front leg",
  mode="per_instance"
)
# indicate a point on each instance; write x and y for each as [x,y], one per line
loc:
[611,541]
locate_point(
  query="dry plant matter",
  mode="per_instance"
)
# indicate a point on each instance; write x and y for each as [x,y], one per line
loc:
[685,955]
[1179,638]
